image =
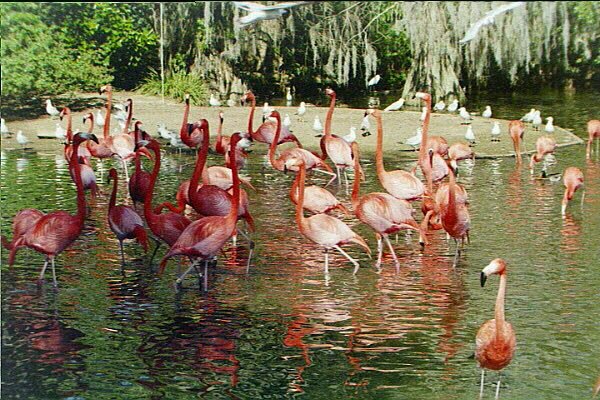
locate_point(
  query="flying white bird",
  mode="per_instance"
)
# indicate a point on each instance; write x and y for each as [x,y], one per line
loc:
[488,19]
[22,139]
[423,114]
[213,101]
[415,141]
[464,114]
[549,125]
[374,81]
[50,109]
[496,132]
[99,120]
[470,135]
[317,126]
[3,127]
[487,113]
[351,137]
[301,110]
[258,12]
[453,106]
[440,105]
[395,106]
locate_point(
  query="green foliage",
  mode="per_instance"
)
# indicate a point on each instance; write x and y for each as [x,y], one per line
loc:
[35,61]
[178,82]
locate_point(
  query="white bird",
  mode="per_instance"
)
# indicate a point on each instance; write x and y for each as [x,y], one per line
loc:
[22,139]
[453,106]
[301,110]
[3,127]
[549,125]
[214,102]
[351,137]
[395,106]
[440,105]
[464,114]
[176,142]
[163,132]
[537,120]
[415,141]
[267,110]
[50,109]
[470,135]
[365,125]
[496,132]
[423,114]
[259,12]
[317,126]
[287,121]
[374,80]
[60,132]
[288,97]
[487,113]
[529,116]
[99,120]
[488,19]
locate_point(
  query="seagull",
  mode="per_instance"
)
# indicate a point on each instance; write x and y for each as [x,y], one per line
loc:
[415,141]
[365,125]
[258,12]
[549,125]
[351,137]
[374,81]
[317,126]
[99,120]
[3,127]
[22,139]
[440,105]
[50,109]
[453,106]
[287,121]
[214,102]
[164,133]
[529,116]
[464,114]
[267,110]
[301,110]
[60,132]
[487,113]
[288,97]
[423,114]
[176,142]
[496,132]
[488,19]
[537,120]
[470,135]
[395,106]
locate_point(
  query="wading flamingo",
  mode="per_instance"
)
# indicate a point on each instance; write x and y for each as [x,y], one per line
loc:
[573,180]
[54,232]
[221,142]
[323,229]
[123,144]
[457,152]
[384,213]
[22,222]
[399,183]
[102,149]
[516,130]
[496,341]
[317,200]
[593,128]
[123,220]
[455,217]
[139,182]
[189,133]
[543,145]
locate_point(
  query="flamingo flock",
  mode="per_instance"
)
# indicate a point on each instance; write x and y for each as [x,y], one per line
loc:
[220,203]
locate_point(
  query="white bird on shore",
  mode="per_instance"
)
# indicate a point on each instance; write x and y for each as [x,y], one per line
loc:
[214,101]
[3,127]
[453,106]
[529,116]
[440,105]
[549,125]
[464,114]
[60,132]
[287,121]
[351,137]
[176,143]
[470,135]
[395,106]
[488,19]
[301,110]
[496,132]
[317,126]
[487,113]
[258,12]
[22,139]
[51,110]
[365,125]
[288,97]
[267,110]
[423,114]
[164,133]
[99,120]
[537,120]
[415,141]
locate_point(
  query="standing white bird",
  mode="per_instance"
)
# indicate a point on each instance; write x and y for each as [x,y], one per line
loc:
[453,106]
[487,113]
[60,132]
[415,141]
[374,81]
[51,110]
[424,112]
[440,105]
[470,135]
[537,120]
[351,137]
[365,125]
[22,139]
[287,121]
[267,110]
[496,132]
[301,111]
[99,120]
[288,97]
[163,132]
[549,125]
[317,126]
[3,127]
[464,114]
[259,12]
[529,116]
[395,106]
[214,101]
[488,19]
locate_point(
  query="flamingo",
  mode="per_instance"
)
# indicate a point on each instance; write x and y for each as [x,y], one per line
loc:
[593,128]
[102,149]
[573,180]
[543,145]
[457,152]
[487,113]
[384,213]
[55,231]
[516,130]
[430,156]
[496,340]
[266,131]
[123,220]
[399,183]
[139,181]
[323,229]
[22,222]
[204,238]
[222,142]
[423,114]
[189,133]
[317,200]
[455,217]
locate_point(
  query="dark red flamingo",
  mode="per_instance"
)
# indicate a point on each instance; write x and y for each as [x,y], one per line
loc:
[167,226]
[204,238]
[22,222]
[190,134]
[455,217]
[54,232]
[139,182]
[123,220]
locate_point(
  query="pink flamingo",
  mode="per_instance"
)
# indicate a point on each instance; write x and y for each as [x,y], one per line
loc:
[222,142]
[573,180]
[323,229]
[317,200]
[496,341]
[55,231]
[457,152]
[22,222]
[543,145]
[384,213]
[123,220]
[190,134]
[516,130]
[139,181]
[400,184]
[455,217]
[102,149]
[204,238]
[593,128]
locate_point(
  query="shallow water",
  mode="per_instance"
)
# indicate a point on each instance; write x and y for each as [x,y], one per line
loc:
[285,329]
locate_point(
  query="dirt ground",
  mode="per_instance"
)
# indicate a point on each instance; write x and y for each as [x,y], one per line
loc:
[397,126]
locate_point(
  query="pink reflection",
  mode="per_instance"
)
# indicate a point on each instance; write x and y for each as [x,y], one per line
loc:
[570,234]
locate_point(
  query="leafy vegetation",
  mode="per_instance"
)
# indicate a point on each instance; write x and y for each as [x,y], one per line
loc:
[178,82]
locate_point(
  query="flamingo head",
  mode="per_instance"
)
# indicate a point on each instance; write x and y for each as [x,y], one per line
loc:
[423,96]
[63,112]
[248,96]
[293,164]
[105,88]
[329,92]
[88,116]
[497,266]
[81,137]
[186,98]
[151,144]
[373,112]
[221,116]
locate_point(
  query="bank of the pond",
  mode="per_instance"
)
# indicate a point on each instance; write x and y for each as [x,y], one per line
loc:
[398,126]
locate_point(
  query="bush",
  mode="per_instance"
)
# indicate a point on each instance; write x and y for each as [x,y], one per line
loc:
[178,82]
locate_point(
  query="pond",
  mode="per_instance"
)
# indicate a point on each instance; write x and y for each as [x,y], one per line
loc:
[283,329]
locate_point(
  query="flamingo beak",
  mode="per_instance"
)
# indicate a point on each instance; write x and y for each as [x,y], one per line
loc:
[483,278]
[144,151]
[141,144]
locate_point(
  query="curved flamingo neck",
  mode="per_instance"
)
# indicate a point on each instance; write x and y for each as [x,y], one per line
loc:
[106,130]
[276,163]
[300,201]
[251,117]
[329,116]
[379,148]
[218,145]
[452,205]
[499,311]
[200,161]
[356,184]
[67,112]
[81,207]
[183,131]
[129,115]
[91,119]
[233,212]
[113,195]
[148,213]
[424,137]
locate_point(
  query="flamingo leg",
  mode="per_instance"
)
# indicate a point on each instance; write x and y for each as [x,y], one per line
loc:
[481,386]
[582,197]
[379,251]
[122,254]
[396,262]
[456,254]
[326,261]
[155,249]
[53,272]
[182,276]
[206,276]
[250,247]
[498,390]
[352,260]
[332,174]
[41,278]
